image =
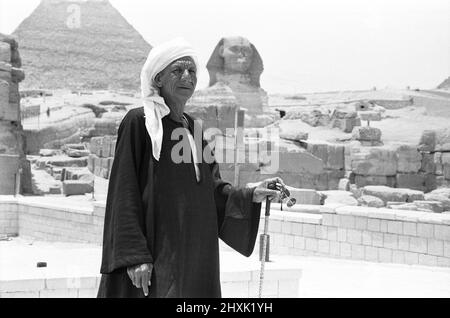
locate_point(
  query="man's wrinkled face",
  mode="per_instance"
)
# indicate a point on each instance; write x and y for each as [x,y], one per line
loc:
[178,80]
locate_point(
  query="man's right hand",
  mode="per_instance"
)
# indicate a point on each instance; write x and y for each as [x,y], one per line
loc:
[141,276]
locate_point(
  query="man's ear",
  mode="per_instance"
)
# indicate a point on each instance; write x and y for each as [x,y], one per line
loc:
[158,81]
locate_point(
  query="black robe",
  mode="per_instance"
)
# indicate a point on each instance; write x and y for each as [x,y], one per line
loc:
[157,212]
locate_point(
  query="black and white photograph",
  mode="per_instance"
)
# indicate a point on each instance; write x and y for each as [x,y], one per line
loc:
[239,150]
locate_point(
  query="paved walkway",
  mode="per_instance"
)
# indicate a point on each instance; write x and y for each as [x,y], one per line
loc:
[322,277]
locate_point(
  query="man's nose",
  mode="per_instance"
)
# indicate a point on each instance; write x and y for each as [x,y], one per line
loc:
[186,75]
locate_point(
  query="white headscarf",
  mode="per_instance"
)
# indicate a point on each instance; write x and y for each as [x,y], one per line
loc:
[155,108]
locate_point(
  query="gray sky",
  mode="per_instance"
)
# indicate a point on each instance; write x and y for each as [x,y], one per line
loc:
[307,45]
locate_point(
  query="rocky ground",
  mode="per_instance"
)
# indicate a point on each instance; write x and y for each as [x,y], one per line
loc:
[309,115]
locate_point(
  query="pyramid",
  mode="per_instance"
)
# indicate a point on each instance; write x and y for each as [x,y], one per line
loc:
[445,84]
[80,45]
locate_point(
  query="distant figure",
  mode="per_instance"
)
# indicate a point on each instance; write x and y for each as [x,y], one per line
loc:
[48,111]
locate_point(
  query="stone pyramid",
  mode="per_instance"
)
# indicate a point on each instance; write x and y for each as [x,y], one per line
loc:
[445,84]
[80,45]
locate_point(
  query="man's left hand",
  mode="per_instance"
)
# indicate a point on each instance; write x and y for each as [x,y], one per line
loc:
[262,192]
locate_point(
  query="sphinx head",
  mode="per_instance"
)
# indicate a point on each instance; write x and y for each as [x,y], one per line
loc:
[235,55]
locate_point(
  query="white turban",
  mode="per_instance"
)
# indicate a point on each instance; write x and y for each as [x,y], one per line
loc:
[154,106]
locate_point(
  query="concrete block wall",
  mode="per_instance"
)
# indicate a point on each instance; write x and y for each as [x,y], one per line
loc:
[361,233]
[9,218]
[244,284]
[31,217]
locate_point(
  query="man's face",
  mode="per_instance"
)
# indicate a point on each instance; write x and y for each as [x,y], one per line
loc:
[177,81]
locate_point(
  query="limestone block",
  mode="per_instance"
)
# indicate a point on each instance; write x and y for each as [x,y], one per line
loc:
[344,184]
[438,163]
[14,96]
[9,165]
[409,159]
[4,96]
[369,116]
[336,196]
[305,196]
[5,52]
[16,60]
[411,181]
[17,75]
[366,133]
[76,187]
[47,152]
[443,140]
[404,206]
[370,201]
[332,155]
[5,67]
[428,164]
[427,141]
[388,194]
[347,125]
[74,153]
[438,197]
[378,161]
[445,159]
[433,206]
[299,161]
[362,181]
[294,136]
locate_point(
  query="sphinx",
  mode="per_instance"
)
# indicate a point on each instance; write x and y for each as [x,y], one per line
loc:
[235,68]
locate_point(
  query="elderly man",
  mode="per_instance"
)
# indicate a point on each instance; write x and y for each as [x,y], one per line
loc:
[163,219]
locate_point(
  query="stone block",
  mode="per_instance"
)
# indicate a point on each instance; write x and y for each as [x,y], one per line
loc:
[432,206]
[311,244]
[345,250]
[369,115]
[366,133]
[425,230]
[443,140]
[410,228]
[332,155]
[395,227]
[427,141]
[371,253]
[409,159]
[442,232]
[354,236]
[373,225]
[305,196]
[75,187]
[418,244]
[5,52]
[376,161]
[370,201]
[385,255]
[439,197]
[390,241]
[388,194]
[74,153]
[362,181]
[435,247]
[344,184]
[428,260]
[428,164]
[403,242]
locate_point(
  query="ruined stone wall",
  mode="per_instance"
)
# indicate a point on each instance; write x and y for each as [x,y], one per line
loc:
[12,141]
